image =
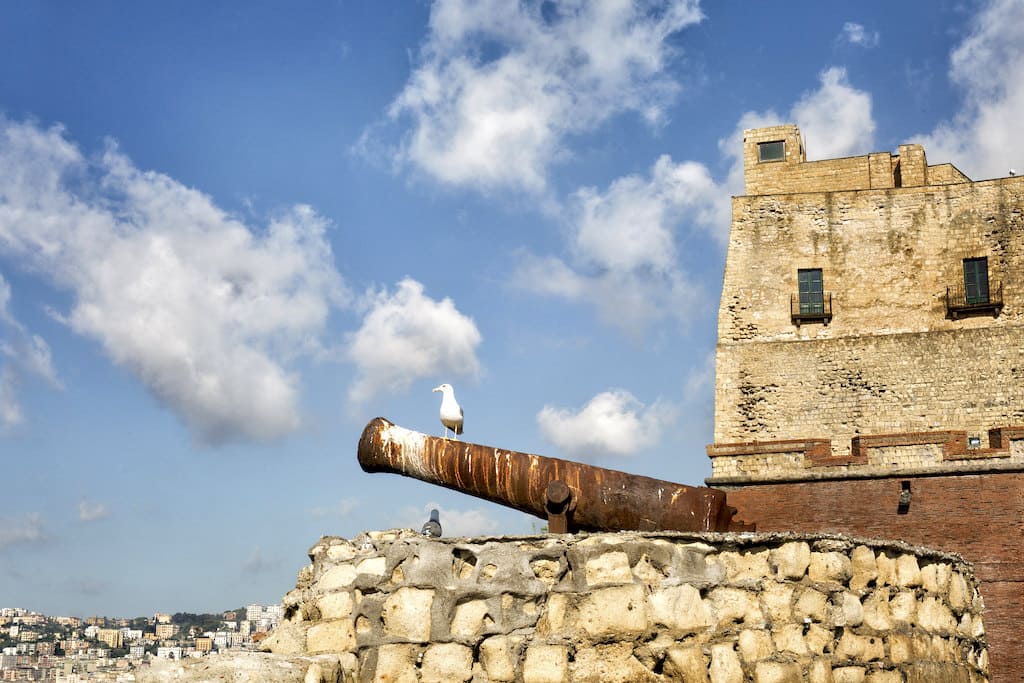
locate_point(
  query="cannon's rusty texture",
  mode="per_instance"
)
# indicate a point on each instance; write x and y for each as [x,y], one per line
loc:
[570,495]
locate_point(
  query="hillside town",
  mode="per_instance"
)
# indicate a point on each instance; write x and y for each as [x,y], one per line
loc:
[38,647]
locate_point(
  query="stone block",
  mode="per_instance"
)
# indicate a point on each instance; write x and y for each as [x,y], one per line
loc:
[735,605]
[612,663]
[811,604]
[679,609]
[852,646]
[777,599]
[886,567]
[446,663]
[725,664]
[849,674]
[830,567]
[397,663]
[374,566]
[468,621]
[877,614]
[820,671]
[901,647]
[884,677]
[755,645]
[818,639]
[791,560]
[335,605]
[553,615]
[935,577]
[341,552]
[903,607]
[934,616]
[778,672]
[959,594]
[337,578]
[406,614]
[745,568]
[908,572]
[499,658]
[608,568]
[687,664]
[546,664]
[338,635]
[620,612]
[863,568]
[847,610]
[790,638]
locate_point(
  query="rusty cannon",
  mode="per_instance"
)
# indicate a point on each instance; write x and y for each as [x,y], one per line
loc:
[571,496]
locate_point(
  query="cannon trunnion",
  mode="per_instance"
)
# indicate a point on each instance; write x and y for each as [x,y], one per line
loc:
[570,495]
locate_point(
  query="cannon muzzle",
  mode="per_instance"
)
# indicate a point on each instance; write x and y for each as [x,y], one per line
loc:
[570,495]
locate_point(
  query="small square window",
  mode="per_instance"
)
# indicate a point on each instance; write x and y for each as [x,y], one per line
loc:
[771,151]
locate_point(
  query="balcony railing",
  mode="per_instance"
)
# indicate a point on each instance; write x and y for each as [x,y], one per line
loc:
[958,303]
[811,312]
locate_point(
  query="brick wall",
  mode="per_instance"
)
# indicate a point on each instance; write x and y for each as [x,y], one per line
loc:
[979,516]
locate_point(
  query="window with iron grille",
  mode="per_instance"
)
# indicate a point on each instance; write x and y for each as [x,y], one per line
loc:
[812,299]
[976,280]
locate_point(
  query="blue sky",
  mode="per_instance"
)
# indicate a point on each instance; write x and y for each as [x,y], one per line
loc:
[233,233]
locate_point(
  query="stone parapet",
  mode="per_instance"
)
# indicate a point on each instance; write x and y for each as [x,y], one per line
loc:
[634,607]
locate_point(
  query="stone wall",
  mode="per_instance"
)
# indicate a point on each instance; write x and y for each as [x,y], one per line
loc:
[979,516]
[891,359]
[718,608]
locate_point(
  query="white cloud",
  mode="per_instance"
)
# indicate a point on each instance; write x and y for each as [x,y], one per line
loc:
[407,336]
[27,529]
[623,245]
[856,34]
[203,309]
[835,119]
[500,84]
[472,522]
[612,423]
[21,354]
[90,511]
[343,508]
[983,139]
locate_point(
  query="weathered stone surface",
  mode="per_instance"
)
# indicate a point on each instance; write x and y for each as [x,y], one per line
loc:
[731,605]
[608,568]
[778,672]
[613,663]
[245,667]
[665,608]
[725,664]
[546,664]
[500,657]
[407,614]
[620,611]
[446,663]
[792,559]
[687,664]
[331,636]
[679,609]
[829,567]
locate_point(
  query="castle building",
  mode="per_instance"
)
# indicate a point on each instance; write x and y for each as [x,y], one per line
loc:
[870,360]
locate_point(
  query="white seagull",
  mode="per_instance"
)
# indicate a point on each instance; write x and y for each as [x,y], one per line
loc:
[432,527]
[451,411]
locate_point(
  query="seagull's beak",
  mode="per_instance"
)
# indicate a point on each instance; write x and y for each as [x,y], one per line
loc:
[436,389]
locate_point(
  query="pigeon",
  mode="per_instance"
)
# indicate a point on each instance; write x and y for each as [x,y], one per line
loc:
[451,411]
[432,527]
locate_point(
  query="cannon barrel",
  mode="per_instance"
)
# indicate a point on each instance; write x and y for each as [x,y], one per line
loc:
[570,495]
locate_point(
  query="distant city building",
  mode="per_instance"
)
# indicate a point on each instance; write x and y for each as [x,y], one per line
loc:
[166,630]
[162,618]
[168,652]
[204,644]
[112,637]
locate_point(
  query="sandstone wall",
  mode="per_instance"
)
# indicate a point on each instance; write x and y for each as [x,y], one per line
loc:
[635,607]
[890,359]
